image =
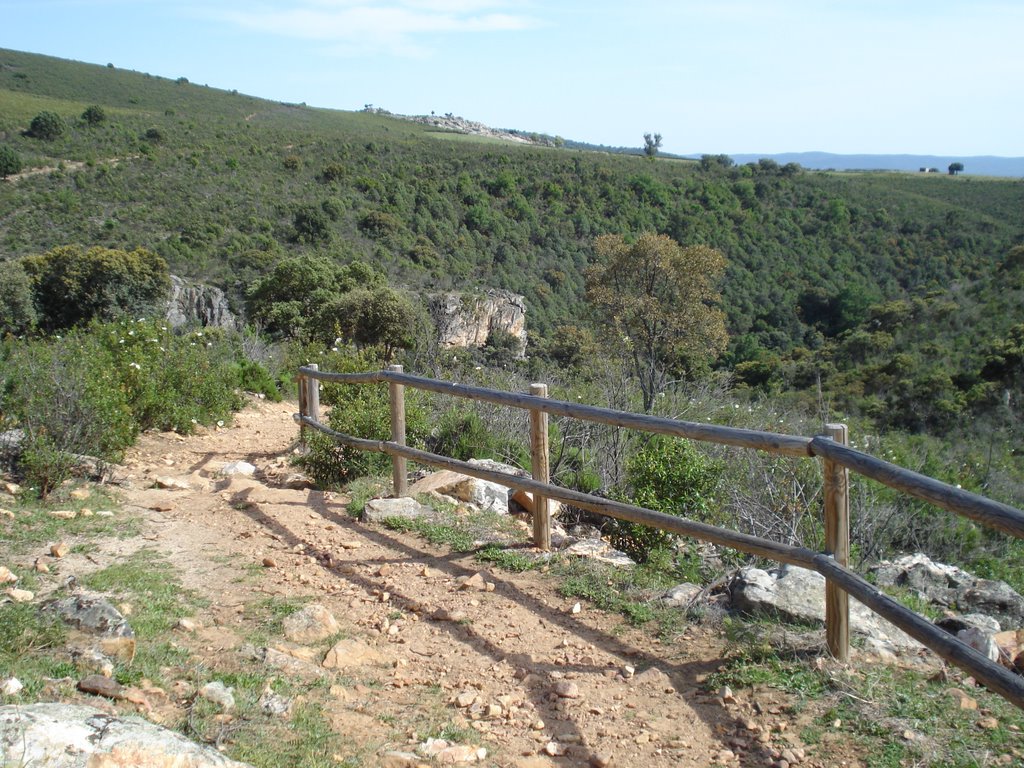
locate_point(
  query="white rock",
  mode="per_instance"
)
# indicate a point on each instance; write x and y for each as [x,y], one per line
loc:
[172,483]
[219,694]
[311,624]
[243,468]
[11,686]
[7,575]
[70,736]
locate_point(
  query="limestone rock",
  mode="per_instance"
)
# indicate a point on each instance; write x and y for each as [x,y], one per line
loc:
[219,694]
[95,616]
[351,653]
[243,468]
[10,687]
[198,304]
[169,483]
[311,624]
[19,595]
[601,551]
[378,510]
[681,595]
[71,736]
[99,685]
[7,576]
[484,494]
[464,320]
[286,663]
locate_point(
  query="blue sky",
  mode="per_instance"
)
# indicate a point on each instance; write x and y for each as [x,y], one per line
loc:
[861,76]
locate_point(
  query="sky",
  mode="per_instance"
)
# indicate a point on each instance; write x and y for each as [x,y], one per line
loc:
[936,77]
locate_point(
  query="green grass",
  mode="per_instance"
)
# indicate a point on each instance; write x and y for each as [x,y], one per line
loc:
[34,526]
[451,534]
[147,581]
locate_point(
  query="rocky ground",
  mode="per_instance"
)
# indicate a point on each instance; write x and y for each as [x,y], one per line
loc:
[423,637]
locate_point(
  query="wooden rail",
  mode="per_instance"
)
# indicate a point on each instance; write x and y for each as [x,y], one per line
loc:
[837,457]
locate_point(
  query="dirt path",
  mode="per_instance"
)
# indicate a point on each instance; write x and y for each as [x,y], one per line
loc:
[533,683]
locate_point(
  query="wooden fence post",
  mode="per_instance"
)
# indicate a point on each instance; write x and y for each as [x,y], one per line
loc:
[399,469]
[303,411]
[837,545]
[541,470]
[313,394]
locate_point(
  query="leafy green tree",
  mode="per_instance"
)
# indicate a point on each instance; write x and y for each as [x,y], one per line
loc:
[47,126]
[955,168]
[17,310]
[94,115]
[73,286]
[658,301]
[10,162]
[311,225]
[652,143]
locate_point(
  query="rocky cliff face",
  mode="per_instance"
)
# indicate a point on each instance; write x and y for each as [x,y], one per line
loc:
[198,304]
[466,320]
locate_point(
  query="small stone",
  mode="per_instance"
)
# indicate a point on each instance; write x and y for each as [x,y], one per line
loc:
[187,625]
[98,685]
[274,704]
[40,566]
[11,686]
[59,549]
[554,749]
[963,700]
[243,468]
[19,595]
[349,545]
[396,759]
[351,653]
[493,711]
[725,756]
[80,494]
[219,694]
[311,624]
[269,562]
[474,582]
[577,608]
[6,513]
[600,760]
[726,695]
[63,514]
[988,724]
[566,689]
[91,662]
[85,512]
[443,614]
[465,699]
[628,671]
[104,513]
[12,489]
[538,725]
[7,575]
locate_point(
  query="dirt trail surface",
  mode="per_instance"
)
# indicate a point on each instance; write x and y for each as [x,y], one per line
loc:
[532,682]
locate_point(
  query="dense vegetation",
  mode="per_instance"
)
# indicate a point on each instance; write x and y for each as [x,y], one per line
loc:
[892,300]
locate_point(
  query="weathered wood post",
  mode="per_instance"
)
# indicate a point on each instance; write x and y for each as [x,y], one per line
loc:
[399,469]
[303,411]
[313,394]
[541,470]
[837,545]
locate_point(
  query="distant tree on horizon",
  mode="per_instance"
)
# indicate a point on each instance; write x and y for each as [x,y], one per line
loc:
[955,168]
[652,143]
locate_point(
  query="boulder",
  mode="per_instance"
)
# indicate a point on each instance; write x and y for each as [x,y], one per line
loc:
[72,736]
[797,595]
[681,595]
[351,652]
[484,494]
[947,586]
[378,510]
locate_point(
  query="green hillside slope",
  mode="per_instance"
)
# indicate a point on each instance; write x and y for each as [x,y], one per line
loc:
[223,185]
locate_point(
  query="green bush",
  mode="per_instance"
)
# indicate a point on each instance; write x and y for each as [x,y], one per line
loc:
[17,310]
[667,475]
[94,115]
[359,410]
[47,126]
[10,162]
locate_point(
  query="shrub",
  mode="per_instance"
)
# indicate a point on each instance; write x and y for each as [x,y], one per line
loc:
[73,286]
[667,475]
[94,115]
[10,162]
[17,311]
[66,395]
[359,410]
[47,126]
[154,135]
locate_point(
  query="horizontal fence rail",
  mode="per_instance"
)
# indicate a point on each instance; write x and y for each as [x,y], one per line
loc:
[838,576]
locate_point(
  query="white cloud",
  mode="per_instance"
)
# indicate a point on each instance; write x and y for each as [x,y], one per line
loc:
[366,26]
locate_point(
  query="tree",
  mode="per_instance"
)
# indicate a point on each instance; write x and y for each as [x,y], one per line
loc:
[652,144]
[955,168]
[47,126]
[94,115]
[73,286]
[17,310]
[659,301]
[10,162]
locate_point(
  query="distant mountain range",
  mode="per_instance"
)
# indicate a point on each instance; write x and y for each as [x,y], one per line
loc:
[985,165]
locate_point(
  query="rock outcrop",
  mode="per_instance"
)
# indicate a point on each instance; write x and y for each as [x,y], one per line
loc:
[467,320]
[198,304]
[70,736]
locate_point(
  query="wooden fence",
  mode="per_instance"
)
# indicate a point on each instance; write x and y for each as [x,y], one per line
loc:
[837,457]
